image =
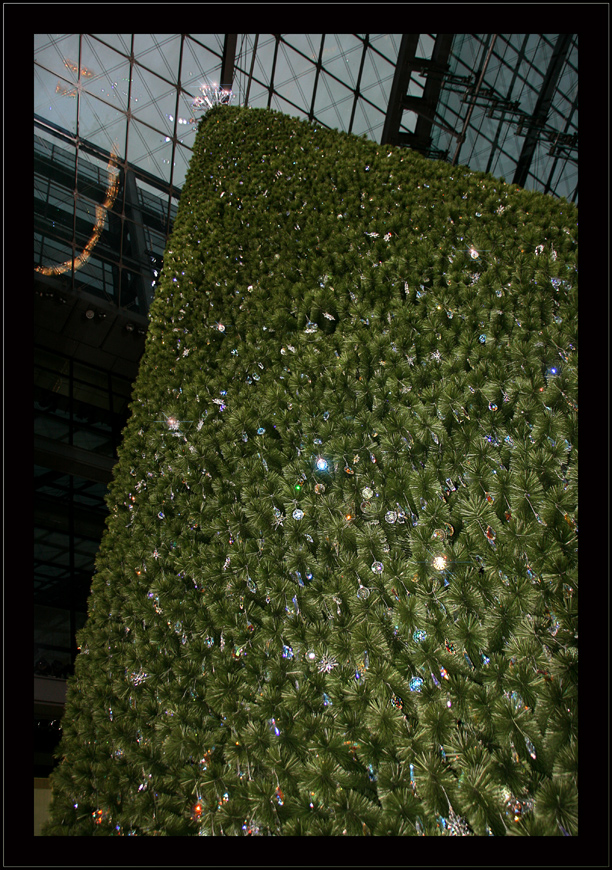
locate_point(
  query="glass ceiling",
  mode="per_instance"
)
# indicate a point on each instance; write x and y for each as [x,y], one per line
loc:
[135,93]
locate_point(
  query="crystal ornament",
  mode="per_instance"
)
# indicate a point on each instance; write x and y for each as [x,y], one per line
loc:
[419,635]
[298,514]
[367,492]
[363,593]
[377,567]
[391,517]
[415,684]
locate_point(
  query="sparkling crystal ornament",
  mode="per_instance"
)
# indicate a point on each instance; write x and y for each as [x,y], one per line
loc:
[530,747]
[273,727]
[377,567]
[391,517]
[367,492]
[415,684]
[419,635]
[439,562]
[363,593]
[322,464]
[482,338]
[515,808]
[298,514]
[327,702]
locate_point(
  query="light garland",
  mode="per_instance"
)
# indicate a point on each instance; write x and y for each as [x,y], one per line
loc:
[111,195]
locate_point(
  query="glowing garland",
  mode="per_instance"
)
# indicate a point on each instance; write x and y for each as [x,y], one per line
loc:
[111,194]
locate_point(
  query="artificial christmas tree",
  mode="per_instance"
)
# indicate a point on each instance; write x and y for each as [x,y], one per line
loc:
[337,593]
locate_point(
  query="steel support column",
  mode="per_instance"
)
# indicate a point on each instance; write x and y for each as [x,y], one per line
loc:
[424,106]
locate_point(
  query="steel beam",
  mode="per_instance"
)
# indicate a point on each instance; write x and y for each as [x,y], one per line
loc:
[401,79]
[433,86]
[434,70]
[248,90]
[228,60]
[542,108]
[461,138]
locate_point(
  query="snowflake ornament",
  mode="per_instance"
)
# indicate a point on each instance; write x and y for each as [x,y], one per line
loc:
[327,663]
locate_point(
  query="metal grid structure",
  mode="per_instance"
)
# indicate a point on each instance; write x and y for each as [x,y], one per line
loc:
[114,124]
